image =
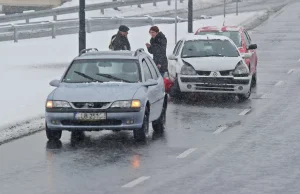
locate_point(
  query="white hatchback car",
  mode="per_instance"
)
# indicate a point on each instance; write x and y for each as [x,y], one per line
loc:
[209,64]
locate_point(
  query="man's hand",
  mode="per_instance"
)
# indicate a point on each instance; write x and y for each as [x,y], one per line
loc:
[148,45]
[158,66]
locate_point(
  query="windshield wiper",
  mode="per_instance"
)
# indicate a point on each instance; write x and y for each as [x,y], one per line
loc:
[88,77]
[113,77]
[191,56]
[215,55]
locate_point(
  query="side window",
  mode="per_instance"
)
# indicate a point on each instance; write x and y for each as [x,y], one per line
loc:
[246,40]
[178,48]
[146,70]
[249,38]
[152,68]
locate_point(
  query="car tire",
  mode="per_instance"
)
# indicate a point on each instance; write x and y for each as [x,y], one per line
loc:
[175,91]
[53,135]
[254,80]
[243,97]
[159,125]
[140,134]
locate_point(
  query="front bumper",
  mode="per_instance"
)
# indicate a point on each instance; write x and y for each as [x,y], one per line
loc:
[208,84]
[113,121]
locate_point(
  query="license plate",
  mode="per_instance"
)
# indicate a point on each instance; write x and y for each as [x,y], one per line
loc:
[90,116]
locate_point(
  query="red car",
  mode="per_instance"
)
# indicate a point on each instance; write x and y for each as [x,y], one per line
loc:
[241,38]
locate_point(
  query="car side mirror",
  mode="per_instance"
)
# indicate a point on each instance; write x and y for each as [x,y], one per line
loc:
[246,55]
[54,83]
[252,47]
[172,57]
[150,82]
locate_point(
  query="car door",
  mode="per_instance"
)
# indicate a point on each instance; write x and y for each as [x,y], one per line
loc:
[160,88]
[151,90]
[254,54]
[173,64]
[250,62]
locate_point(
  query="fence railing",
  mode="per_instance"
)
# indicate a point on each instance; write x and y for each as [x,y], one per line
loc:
[69,10]
[55,28]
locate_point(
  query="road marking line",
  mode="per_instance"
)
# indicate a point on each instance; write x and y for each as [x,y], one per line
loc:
[220,129]
[279,83]
[136,182]
[186,153]
[245,112]
[290,71]
[264,96]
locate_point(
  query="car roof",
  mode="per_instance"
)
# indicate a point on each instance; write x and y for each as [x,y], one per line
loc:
[220,28]
[205,37]
[95,54]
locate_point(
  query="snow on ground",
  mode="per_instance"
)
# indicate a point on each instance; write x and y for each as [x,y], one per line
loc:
[28,66]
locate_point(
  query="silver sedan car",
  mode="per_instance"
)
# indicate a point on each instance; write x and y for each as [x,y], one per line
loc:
[109,90]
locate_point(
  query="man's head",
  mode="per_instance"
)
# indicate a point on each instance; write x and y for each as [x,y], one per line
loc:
[154,30]
[123,30]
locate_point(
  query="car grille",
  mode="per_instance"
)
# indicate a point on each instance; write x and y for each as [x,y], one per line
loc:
[91,123]
[215,87]
[213,80]
[90,105]
[203,73]
[226,73]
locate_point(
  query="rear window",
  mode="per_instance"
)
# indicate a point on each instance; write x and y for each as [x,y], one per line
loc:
[234,36]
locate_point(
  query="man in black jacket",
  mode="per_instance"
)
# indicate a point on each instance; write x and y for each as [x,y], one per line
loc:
[120,40]
[158,47]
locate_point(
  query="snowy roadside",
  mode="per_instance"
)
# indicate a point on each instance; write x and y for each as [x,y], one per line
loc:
[41,60]
[146,9]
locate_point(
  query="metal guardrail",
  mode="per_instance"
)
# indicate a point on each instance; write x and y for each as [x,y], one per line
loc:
[69,10]
[55,28]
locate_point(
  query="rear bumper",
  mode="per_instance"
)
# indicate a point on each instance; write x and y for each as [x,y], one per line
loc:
[230,85]
[114,121]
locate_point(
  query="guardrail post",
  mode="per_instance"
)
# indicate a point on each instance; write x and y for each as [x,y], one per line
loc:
[89,26]
[53,27]
[154,2]
[15,33]
[55,17]
[102,11]
[27,20]
[169,2]
[139,5]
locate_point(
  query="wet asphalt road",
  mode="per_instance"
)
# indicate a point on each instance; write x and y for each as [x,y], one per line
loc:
[209,145]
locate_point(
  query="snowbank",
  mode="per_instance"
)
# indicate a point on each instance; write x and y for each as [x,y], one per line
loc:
[28,66]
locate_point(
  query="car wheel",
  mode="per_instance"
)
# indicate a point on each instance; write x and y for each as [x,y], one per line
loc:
[159,125]
[175,91]
[53,135]
[140,134]
[77,135]
[254,80]
[243,97]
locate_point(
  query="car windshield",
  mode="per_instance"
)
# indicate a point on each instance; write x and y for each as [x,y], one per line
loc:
[234,36]
[103,70]
[209,48]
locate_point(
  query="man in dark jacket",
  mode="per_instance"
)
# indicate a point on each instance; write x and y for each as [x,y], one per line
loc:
[158,47]
[120,40]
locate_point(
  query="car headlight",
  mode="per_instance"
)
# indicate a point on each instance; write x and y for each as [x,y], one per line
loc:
[57,104]
[126,104]
[241,69]
[188,70]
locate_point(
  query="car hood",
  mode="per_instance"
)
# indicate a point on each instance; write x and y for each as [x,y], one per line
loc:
[213,63]
[95,92]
